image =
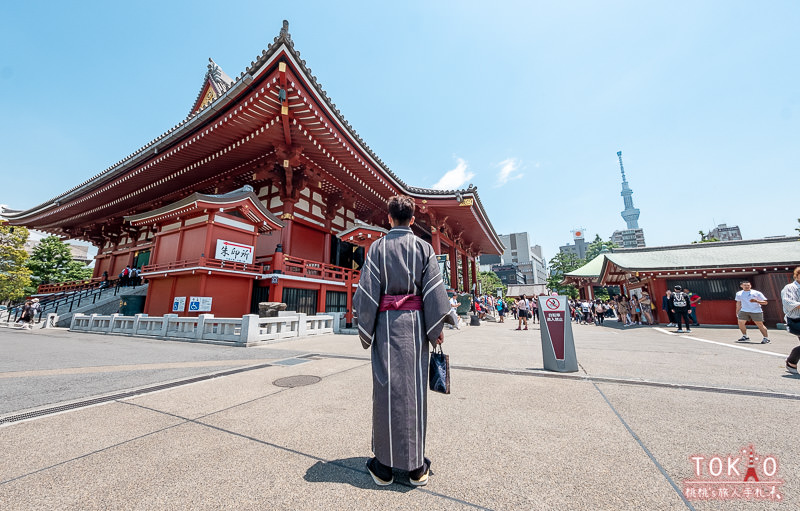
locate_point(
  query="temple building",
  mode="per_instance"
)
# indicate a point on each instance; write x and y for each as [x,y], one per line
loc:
[711,270]
[264,192]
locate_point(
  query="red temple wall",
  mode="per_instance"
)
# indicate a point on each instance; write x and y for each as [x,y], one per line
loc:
[159,297]
[231,295]
[167,248]
[266,244]
[307,243]
[193,243]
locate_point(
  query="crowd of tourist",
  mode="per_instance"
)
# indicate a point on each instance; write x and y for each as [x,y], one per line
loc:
[680,306]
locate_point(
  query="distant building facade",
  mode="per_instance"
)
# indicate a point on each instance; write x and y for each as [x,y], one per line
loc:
[527,259]
[629,238]
[509,273]
[486,261]
[539,265]
[724,233]
[580,246]
[517,247]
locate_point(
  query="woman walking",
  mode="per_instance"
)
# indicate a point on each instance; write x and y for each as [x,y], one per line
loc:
[646,305]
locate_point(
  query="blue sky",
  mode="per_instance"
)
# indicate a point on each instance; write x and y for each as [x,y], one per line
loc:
[530,101]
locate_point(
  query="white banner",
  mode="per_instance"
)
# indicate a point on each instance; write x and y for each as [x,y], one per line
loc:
[230,251]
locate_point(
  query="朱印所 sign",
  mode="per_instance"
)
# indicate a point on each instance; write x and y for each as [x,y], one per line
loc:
[236,252]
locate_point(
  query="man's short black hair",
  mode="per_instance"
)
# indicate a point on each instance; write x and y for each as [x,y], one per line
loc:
[401,208]
[745,281]
[677,287]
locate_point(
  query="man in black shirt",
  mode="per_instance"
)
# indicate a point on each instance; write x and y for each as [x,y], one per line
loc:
[679,305]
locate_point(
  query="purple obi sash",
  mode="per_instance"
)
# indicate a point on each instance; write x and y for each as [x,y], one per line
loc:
[400,303]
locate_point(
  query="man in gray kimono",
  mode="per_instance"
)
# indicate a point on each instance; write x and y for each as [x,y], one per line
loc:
[401,305]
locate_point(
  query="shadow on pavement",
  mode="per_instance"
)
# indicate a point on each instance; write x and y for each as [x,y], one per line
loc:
[351,471]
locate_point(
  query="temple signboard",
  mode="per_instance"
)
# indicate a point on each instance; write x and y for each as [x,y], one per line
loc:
[237,252]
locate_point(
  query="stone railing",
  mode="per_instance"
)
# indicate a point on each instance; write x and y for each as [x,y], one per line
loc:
[249,330]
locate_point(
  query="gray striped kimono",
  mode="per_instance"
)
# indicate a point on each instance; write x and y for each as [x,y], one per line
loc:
[400,263]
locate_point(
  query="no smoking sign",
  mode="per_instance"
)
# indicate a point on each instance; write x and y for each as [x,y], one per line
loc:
[552,303]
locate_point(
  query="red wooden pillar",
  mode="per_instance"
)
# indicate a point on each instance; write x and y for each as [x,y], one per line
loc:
[465,273]
[453,268]
[276,291]
[326,250]
[277,263]
[207,248]
[348,282]
[323,293]
[435,242]
[475,275]
[288,220]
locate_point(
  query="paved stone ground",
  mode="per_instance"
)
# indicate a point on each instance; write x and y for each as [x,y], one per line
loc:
[618,434]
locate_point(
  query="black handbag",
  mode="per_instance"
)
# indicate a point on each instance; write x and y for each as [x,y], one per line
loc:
[793,325]
[439,374]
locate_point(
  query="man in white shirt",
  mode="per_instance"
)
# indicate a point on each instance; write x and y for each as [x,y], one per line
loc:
[453,307]
[748,307]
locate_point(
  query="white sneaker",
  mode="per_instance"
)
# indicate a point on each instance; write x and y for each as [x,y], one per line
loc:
[765,340]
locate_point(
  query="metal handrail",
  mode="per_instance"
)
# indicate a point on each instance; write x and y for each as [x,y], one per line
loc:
[72,299]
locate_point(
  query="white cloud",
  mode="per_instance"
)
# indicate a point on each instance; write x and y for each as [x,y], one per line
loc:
[509,171]
[456,178]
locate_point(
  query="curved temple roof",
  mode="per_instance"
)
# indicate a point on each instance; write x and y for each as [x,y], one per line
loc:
[312,117]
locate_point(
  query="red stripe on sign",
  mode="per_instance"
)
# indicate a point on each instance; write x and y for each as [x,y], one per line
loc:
[237,245]
[555,321]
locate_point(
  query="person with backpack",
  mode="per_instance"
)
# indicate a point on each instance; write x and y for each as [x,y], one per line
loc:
[501,304]
[586,312]
[26,316]
[679,305]
[124,276]
[636,311]
[600,312]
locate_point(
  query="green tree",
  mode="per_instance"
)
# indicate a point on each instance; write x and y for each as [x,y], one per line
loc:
[14,274]
[597,246]
[51,262]
[489,282]
[705,238]
[601,294]
[561,263]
